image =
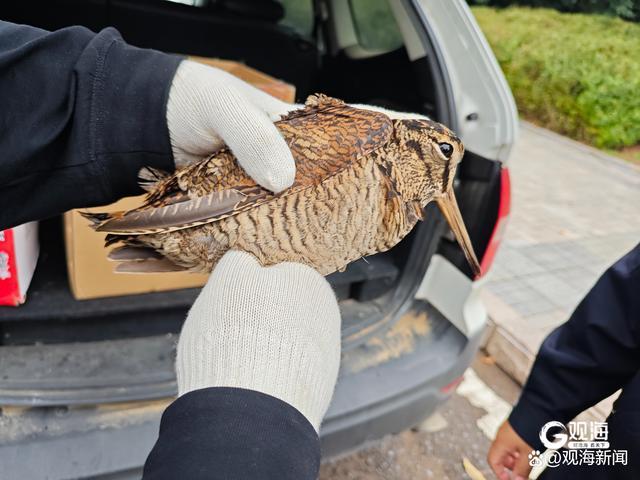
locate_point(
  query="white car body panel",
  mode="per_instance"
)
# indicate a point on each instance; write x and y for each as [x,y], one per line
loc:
[454,295]
[478,84]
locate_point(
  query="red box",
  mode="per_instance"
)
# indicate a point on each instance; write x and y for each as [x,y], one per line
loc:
[19,250]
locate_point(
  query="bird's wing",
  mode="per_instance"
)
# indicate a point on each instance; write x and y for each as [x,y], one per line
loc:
[325,137]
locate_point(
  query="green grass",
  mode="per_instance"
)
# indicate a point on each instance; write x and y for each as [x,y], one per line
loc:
[576,74]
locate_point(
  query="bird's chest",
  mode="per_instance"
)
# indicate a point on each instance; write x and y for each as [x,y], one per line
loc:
[325,226]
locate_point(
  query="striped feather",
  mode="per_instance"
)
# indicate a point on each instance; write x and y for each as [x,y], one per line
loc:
[177,216]
[149,266]
[127,253]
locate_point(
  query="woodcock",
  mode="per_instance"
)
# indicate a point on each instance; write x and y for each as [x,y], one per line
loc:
[361,184]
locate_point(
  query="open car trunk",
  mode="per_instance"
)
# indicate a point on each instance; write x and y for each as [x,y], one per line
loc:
[372,291]
[56,351]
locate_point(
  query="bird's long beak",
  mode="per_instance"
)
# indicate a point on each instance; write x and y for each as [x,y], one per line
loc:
[449,208]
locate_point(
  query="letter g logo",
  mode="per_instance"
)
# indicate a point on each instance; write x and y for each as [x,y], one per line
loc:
[559,439]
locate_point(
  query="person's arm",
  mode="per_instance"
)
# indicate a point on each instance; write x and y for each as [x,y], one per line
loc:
[588,358]
[80,114]
[256,366]
[223,433]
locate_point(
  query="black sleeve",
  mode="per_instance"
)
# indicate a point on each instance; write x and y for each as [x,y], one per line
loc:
[80,114]
[595,353]
[232,433]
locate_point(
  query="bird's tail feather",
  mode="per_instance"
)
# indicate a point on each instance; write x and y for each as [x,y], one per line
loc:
[98,219]
[133,253]
[150,265]
[95,218]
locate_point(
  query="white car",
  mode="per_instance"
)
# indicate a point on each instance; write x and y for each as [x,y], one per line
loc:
[83,383]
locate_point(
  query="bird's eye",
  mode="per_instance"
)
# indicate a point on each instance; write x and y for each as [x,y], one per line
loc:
[446,149]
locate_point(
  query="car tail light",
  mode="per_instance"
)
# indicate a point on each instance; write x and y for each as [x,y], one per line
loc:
[504,208]
[451,386]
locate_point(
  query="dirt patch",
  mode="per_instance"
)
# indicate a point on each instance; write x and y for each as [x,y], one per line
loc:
[416,454]
[630,154]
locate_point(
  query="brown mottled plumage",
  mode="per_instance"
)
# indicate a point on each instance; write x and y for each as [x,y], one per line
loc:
[362,181]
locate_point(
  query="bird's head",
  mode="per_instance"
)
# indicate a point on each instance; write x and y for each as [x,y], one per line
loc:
[428,154]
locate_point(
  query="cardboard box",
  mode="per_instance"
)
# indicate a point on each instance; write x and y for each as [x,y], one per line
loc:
[91,274]
[274,87]
[19,249]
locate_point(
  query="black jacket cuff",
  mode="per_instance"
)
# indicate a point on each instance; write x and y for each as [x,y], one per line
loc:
[128,127]
[527,419]
[223,433]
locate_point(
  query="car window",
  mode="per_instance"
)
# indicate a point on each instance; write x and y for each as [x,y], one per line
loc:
[298,15]
[375,25]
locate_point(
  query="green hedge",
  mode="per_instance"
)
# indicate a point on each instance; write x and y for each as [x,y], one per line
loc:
[627,9]
[573,73]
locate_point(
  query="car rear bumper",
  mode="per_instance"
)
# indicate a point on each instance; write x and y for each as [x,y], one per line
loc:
[387,384]
[415,362]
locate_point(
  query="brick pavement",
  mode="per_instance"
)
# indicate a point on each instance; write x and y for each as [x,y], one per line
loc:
[575,210]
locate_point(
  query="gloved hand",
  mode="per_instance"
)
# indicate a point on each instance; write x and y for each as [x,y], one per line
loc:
[275,330]
[209,107]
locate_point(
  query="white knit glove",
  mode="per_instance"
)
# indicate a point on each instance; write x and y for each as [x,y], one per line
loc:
[275,330]
[209,107]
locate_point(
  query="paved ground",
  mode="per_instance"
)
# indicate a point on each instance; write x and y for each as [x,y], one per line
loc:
[575,211]
[435,451]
